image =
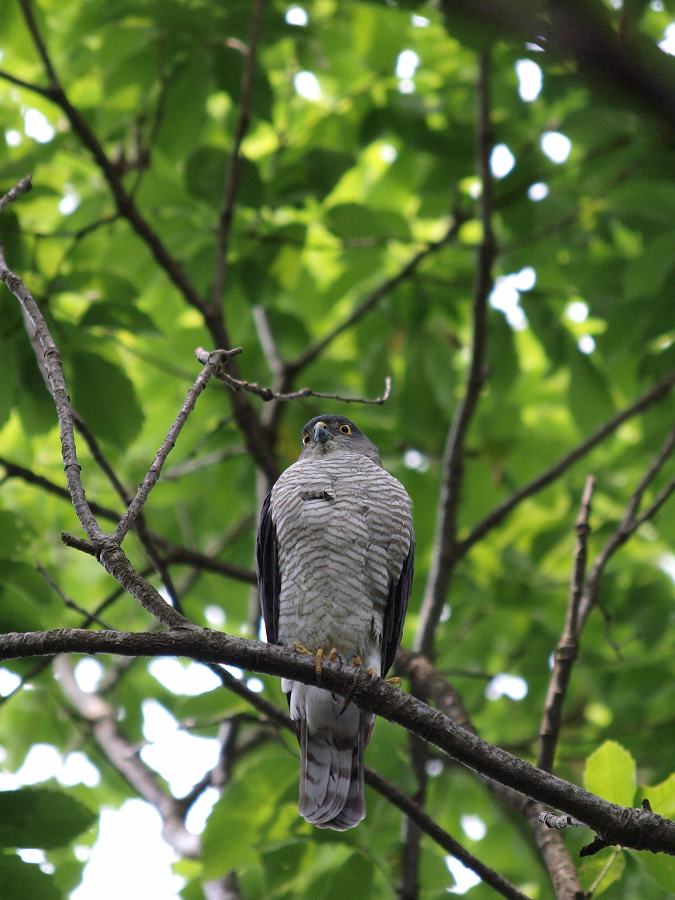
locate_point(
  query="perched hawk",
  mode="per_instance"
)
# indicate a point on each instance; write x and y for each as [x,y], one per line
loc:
[335,565]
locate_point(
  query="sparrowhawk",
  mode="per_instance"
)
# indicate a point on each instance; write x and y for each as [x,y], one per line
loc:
[335,557]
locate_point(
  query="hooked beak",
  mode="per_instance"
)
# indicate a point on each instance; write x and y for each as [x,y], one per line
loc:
[321,433]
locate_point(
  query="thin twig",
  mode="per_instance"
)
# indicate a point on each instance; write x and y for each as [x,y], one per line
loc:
[568,645]
[497,516]
[140,526]
[215,360]
[234,167]
[267,394]
[68,602]
[442,838]
[371,300]
[27,85]
[444,556]
[630,522]
[175,554]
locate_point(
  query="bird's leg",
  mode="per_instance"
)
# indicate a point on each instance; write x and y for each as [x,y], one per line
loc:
[300,648]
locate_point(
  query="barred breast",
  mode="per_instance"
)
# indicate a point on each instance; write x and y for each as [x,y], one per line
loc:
[344,529]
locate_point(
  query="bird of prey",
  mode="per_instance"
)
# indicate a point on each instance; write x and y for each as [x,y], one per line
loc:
[335,555]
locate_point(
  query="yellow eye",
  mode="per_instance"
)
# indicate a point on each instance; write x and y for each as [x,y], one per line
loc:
[345,429]
[305,439]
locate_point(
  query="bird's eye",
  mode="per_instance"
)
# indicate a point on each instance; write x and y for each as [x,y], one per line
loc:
[305,439]
[345,429]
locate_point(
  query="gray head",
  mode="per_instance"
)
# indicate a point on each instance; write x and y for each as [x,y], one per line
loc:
[335,434]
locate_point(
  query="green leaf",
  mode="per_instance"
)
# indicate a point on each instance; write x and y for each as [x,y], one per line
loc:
[648,272]
[610,773]
[350,220]
[660,869]
[41,817]
[589,397]
[234,832]
[20,881]
[125,316]
[105,398]
[662,797]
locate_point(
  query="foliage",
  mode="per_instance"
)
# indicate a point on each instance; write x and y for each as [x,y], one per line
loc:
[346,173]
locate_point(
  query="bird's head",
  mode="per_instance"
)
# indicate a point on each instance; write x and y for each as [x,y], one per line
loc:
[335,434]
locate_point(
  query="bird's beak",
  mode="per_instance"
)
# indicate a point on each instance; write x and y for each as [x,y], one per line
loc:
[321,433]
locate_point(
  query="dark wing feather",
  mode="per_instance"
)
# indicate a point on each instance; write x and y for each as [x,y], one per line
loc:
[267,566]
[397,604]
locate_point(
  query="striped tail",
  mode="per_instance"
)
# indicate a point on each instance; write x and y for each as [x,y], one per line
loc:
[333,739]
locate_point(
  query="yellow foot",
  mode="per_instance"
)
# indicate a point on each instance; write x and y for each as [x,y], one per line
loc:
[300,648]
[393,679]
[371,670]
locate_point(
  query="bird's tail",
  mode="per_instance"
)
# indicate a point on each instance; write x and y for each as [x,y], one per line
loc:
[333,737]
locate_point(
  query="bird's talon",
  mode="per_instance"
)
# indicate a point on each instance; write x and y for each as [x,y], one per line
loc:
[393,679]
[300,648]
[372,671]
[357,661]
[318,662]
[333,655]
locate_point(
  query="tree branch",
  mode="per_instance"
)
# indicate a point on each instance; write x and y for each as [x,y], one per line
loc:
[174,553]
[124,758]
[635,71]
[370,301]
[444,555]
[267,394]
[497,516]
[635,828]
[428,682]
[234,167]
[126,205]
[628,525]
[216,360]
[568,645]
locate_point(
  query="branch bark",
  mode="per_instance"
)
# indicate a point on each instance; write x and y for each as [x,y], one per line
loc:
[568,645]
[634,828]
[444,555]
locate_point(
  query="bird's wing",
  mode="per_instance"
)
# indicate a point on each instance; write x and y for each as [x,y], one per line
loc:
[397,604]
[267,565]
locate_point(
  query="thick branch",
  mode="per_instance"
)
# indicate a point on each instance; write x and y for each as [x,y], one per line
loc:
[123,757]
[49,360]
[634,828]
[453,458]
[412,810]
[568,646]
